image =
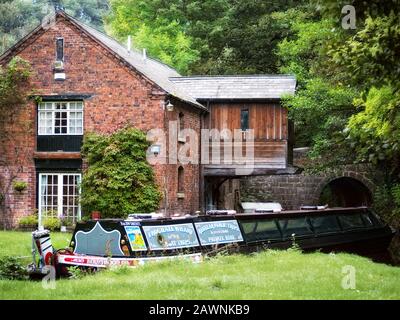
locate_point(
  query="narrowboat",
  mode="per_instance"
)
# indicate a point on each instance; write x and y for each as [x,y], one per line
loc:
[144,238]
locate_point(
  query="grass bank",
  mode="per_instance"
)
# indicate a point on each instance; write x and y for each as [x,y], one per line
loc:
[268,275]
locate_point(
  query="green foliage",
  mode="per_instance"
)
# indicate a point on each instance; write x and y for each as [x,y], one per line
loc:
[90,12]
[19,17]
[28,221]
[374,132]
[203,37]
[168,43]
[12,269]
[78,272]
[154,28]
[370,57]
[14,79]
[347,101]
[248,37]
[51,223]
[387,203]
[321,105]
[119,180]
[20,185]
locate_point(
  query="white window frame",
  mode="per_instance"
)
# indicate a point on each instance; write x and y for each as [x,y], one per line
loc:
[49,107]
[60,194]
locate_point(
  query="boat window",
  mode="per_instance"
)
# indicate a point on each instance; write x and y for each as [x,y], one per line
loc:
[367,220]
[351,221]
[374,219]
[297,226]
[261,230]
[325,224]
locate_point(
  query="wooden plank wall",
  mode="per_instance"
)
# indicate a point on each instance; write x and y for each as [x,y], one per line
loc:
[269,120]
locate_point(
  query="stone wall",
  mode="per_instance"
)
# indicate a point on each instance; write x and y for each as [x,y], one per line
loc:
[293,191]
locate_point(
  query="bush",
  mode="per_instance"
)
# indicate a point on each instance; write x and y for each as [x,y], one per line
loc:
[28,221]
[387,202]
[68,222]
[52,224]
[20,185]
[12,269]
[119,180]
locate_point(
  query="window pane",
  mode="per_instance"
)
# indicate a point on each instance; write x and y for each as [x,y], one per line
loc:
[367,220]
[60,49]
[325,224]
[56,122]
[70,196]
[261,230]
[244,119]
[351,221]
[297,226]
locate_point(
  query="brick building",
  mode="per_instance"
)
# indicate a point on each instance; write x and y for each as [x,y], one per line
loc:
[84,81]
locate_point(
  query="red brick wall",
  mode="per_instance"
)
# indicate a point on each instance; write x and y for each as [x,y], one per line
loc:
[190,202]
[90,69]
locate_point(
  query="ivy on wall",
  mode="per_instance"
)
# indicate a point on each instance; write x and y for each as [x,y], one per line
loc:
[119,180]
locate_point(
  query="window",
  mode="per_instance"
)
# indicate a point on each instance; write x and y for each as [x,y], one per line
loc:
[261,230]
[56,118]
[59,196]
[181,124]
[60,49]
[351,221]
[371,219]
[297,226]
[244,119]
[181,188]
[325,224]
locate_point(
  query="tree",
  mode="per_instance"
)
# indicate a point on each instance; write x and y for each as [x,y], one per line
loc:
[374,132]
[220,36]
[14,93]
[322,103]
[119,180]
[370,59]
[159,26]
[19,17]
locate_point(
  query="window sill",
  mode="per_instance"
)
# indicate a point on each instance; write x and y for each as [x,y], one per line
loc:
[182,139]
[57,155]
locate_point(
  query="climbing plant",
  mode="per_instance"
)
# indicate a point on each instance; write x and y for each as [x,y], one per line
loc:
[14,93]
[119,180]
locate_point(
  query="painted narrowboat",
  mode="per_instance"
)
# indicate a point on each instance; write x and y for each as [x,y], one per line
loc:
[144,237]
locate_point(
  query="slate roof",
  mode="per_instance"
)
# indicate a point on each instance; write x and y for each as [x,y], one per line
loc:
[237,87]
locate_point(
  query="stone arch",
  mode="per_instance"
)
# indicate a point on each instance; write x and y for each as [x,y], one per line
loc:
[356,176]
